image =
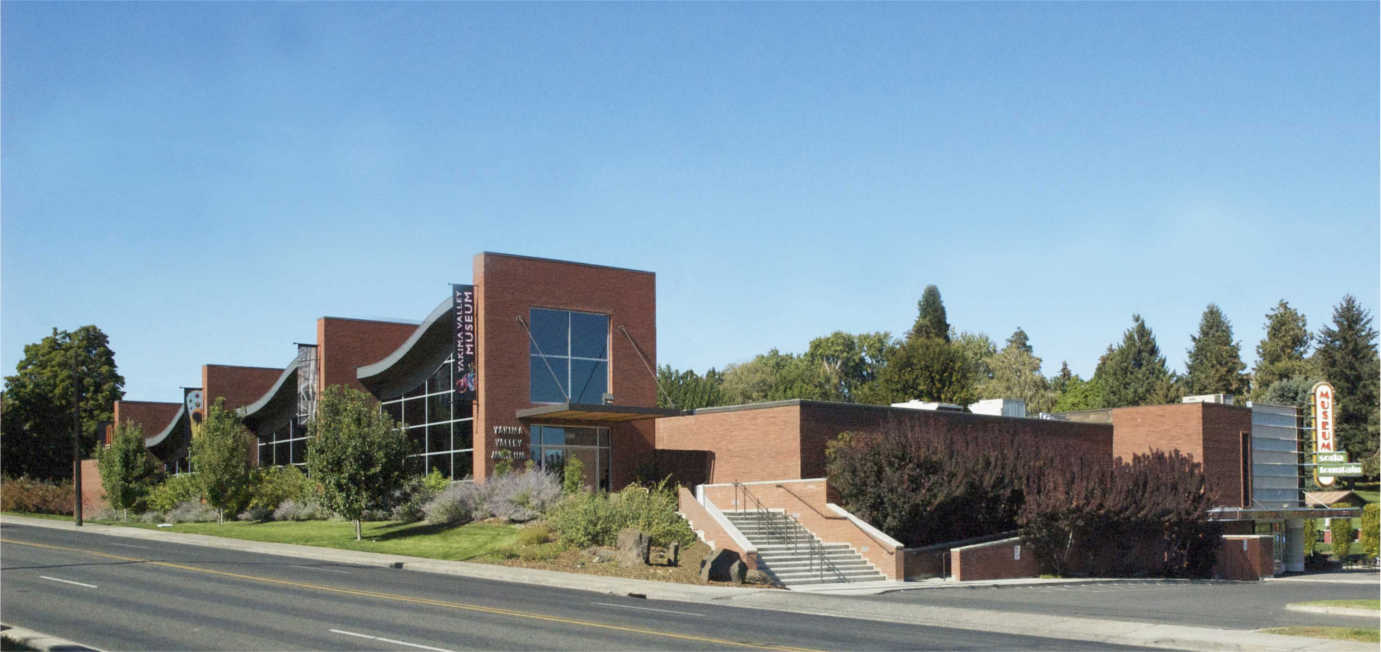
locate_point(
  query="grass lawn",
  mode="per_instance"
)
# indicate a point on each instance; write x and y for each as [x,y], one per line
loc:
[1370,496]
[51,517]
[469,542]
[1360,634]
[1374,605]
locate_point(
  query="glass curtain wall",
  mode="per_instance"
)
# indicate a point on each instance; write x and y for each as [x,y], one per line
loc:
[552,446]
[287,444]
[438,426]
[569,356]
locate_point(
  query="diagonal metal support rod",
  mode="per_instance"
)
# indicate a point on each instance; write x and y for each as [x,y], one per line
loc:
[542,355]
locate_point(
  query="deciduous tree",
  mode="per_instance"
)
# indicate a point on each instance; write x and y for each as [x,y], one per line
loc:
[1017,374]
[37,424]
[687,390]
[128,471]
[355,453]
[219,459]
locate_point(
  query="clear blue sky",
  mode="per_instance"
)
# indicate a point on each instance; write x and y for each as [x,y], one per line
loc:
[203,181]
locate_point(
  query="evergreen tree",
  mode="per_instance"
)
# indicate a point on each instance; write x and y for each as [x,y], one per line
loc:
[1060,382]
[1347,358]
[1134,373]
[1215,360]
[931,320]
[1017,374]
[1281,353]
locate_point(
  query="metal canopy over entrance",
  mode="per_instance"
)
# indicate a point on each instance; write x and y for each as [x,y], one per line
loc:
[593,413]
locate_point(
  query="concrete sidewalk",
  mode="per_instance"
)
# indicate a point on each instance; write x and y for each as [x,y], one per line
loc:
[1081,629]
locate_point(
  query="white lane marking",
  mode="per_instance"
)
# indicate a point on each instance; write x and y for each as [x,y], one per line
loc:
[130,545]
[58,579]
[318,568]
[388,640]
[665,611]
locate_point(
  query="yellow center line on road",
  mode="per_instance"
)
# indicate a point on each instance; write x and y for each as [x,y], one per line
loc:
[416,600]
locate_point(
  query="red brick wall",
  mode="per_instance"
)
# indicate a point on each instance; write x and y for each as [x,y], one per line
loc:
[746,445]
[1210,433]
[995,560]
[344,345]
[239,386]
[787,441]
[1246,557]
[93,494]
[152,417]
[507,287]
[822,422]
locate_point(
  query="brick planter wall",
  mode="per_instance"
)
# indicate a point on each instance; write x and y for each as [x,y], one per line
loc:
[995,560]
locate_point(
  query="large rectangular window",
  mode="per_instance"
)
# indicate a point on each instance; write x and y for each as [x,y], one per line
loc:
[569,356]
[552,446]
[438,426]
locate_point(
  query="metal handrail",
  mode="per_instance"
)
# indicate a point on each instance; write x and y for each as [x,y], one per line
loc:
[882,545]
[784,529]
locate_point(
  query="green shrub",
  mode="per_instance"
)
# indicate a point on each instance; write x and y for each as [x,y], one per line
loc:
[174,491]
[1341,529]
[1371,538]
[270,486]
[573,476]
[24,494]
[502,467]
[1311,528]
[434,482]
[533,535]
[586,519]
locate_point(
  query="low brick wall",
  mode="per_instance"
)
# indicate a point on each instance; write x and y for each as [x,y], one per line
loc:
[93,494]
[715,535]
[995,560]
[920,564]
[1246,557]
[807,501]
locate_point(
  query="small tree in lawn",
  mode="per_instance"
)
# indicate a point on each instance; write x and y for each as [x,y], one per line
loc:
[355,453]
[127,470]
[1341,529]
[219,459]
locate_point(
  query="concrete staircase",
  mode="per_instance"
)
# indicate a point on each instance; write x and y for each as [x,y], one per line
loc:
[795,565]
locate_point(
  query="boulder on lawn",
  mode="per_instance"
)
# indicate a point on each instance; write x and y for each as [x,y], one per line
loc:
[634,547]
[718,566]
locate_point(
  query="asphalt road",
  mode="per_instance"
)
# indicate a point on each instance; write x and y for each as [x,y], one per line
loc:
[126,594]
[1229,605]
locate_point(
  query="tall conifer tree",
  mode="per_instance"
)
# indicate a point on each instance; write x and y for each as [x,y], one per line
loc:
[931,320]
[1134,373]
[1347,358]
[1281,353]
[1215,360]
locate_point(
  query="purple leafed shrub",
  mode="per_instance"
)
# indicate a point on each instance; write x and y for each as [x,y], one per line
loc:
[521,497]
[460,503]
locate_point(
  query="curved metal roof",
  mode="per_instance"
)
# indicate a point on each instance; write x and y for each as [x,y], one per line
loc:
[150,442]
[421,342]
[274,393]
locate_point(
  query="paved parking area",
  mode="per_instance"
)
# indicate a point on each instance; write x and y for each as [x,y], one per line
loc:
[1236,605]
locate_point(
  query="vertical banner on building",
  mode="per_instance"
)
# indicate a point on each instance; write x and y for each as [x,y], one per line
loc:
[1325,408]
[193,401]
[306,382]
[466,379]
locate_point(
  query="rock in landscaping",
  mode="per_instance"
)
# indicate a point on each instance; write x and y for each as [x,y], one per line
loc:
[634,547]
[757,577]
[737,571]
[716,567]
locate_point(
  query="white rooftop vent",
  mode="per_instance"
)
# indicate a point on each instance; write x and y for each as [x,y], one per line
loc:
[1225,399]
[929,405]
[1000,407]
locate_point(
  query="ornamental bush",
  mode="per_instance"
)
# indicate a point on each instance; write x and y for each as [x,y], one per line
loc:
[271,486]
[1371,538]
[127,469]
[1341,529]
[460,503]
[521,497]
[173,491]
[595,518]
[24,494]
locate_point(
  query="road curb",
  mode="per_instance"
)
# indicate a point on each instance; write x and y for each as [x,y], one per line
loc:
[1334,611]
[41,641]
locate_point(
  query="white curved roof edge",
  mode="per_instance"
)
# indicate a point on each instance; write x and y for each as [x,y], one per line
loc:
[263,401]
[168,430]
[437,313]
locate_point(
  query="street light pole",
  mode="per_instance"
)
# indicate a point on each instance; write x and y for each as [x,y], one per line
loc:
[76,440]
